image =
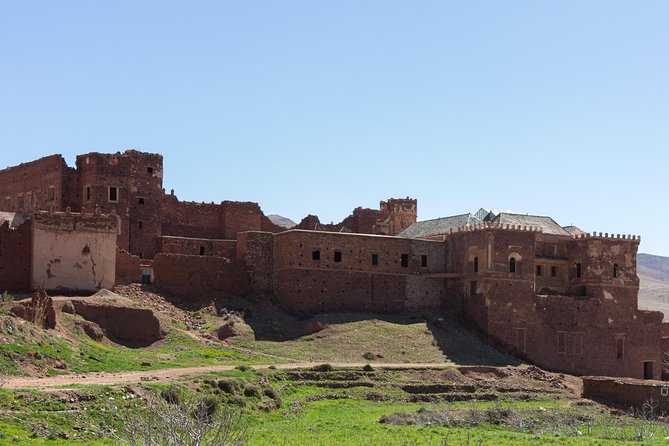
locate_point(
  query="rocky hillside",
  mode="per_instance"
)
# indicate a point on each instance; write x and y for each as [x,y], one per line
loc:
[653,273]
[282,221]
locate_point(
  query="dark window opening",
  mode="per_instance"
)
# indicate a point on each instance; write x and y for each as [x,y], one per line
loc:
[423,261]
[315,255]
[512,265]
[141,200]
[540,270]
[337,256]
[141,224]
[88,193]
[52,193]
[620,348]
[578,270]
[201,250]
[616,271]
[113,194]
[472,288]
[404,260]
[648,370]
[149,170]
[375,259]
[476,264]
[553,271]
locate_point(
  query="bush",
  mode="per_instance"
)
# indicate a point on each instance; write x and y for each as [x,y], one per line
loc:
[368,368]
[323,368]
[171,395]
[191,422]
[229,385]
[243,368]
[252,391]
[270,392]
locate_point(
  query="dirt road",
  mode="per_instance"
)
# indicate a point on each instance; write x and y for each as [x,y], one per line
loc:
[14,382]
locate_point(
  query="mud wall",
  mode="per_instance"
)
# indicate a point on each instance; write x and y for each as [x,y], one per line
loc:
[198,246]
[627,392]
[199,277]
[72,252]
[15,257]
[128,268]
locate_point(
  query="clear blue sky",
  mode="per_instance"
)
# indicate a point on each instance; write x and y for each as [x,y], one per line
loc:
[549,108]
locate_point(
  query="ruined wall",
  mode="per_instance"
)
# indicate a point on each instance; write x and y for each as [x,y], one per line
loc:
[213,221]
[257,251]
[198,246]
[15,257]
[130,184]
[319,271]
[73,252]
[627,392]
[43,183]
[199,277]
[128,268]
[392,217]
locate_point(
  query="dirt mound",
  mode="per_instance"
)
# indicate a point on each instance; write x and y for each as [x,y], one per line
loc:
[226,331]
[129,326]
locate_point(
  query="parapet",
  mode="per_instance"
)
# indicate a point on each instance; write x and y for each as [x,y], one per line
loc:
[606,236]
[498,226]
[70,221]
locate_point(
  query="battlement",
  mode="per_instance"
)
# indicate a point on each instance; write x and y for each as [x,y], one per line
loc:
[606,236]
[495,226]
[394,205]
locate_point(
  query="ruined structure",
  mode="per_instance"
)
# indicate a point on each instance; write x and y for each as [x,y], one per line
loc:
[562,298]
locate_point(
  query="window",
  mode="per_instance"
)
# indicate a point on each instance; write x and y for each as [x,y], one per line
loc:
[648,370]
[578,270]
[149,170]
[113,194]
[404,260]
[19,201]
[423,261]
[540,270]
[52,193]
[620,347]
[141,200]
[337,256]
[87,194]
[476,264]
[616,271]
[512,265]
[554,270]
[315,255]
[141,224]
[201,250]
[375,259]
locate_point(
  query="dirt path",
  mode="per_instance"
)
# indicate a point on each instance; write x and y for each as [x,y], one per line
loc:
[14,382]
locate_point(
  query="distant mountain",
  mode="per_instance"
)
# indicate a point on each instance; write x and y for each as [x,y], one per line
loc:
[282,221]
[653,272]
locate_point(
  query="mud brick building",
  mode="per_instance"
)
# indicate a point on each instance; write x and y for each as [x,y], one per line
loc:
[558,296]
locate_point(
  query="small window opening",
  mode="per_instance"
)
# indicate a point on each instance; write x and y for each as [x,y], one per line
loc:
[512,265]
[113,194]
[554,271]
[375,259]
[404,260]
[149,170]
[540,270]
[88,193]
[315,255]
[52,193]
[423,261]
[337,256]
[141,224]
[201,250]
[476,264]
[141,200]
[616,271]
[620,348]
[578,270]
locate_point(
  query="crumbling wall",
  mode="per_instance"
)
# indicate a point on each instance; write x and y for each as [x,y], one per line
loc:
[128,268]
[73,252]
[39,310]
[627,392]
[256,250]
[15,257]
[198,246]
[39,183]
[199,277]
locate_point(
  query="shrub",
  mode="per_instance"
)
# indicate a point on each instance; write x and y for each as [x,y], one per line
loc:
[323,368]
[171,395]
[229,385]
[252,391]
[368,368]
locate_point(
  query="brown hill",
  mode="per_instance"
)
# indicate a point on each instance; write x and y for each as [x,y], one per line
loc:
[653,274]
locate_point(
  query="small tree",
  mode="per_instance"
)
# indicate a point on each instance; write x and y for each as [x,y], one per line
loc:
[188,422]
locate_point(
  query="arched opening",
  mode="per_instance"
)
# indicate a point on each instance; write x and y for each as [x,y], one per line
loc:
[476,264]
[512,265]
[616,271]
